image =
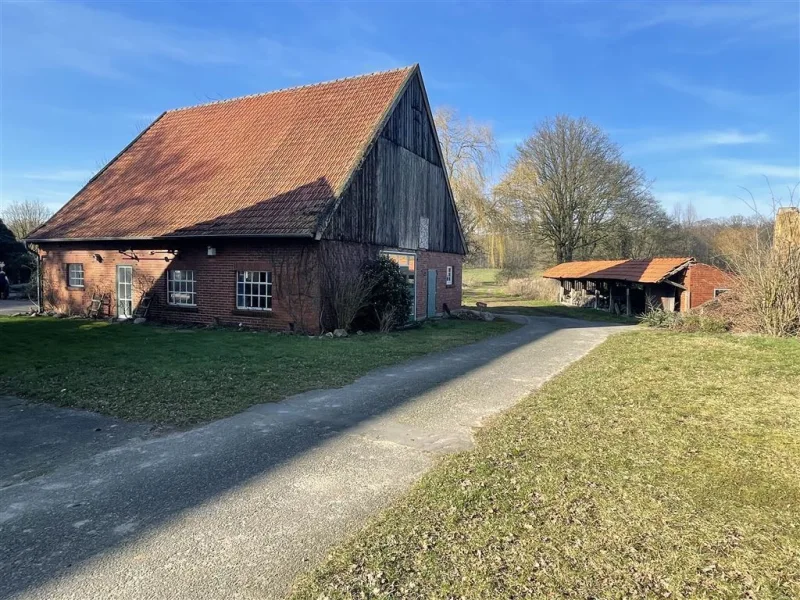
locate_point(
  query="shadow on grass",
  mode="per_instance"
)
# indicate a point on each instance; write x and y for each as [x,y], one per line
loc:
[151,484]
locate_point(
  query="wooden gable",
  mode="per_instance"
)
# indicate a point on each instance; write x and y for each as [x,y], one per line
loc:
[400,188]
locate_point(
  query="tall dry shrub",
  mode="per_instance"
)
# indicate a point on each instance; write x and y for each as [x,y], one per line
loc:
[768,276]
[533,288]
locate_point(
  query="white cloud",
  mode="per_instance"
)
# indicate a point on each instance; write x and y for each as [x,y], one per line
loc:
[749,15]
[106,43]
[101,42]
[61,175]
[513,139]
[710,202]
[747,168]
[696,140]
[714,96]
[741,17]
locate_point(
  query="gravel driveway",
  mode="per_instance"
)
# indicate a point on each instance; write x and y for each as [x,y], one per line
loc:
[237,508]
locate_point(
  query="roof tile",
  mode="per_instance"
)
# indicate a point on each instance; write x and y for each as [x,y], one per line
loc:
[267,164]
[650,270]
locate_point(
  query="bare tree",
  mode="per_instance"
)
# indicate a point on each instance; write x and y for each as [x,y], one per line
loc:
[567,183]
[25,216]
[297,277]
[469,149]
[345,288]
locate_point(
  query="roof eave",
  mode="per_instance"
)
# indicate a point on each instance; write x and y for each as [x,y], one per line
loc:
[171,237]
[689,262]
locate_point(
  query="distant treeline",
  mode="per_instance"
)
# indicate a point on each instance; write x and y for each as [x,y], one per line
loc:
[569,194]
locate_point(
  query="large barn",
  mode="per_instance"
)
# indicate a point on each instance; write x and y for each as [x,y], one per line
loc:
[239,211]
[634,286]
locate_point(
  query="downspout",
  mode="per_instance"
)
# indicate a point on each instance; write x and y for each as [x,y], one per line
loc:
[39,283]
[39,278]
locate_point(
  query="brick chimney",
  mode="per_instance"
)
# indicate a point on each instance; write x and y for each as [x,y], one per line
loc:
[787,227]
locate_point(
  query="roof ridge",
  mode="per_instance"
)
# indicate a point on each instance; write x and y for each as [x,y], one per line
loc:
[293,88]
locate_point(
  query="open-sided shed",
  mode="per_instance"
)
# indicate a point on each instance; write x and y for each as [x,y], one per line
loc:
[633,286]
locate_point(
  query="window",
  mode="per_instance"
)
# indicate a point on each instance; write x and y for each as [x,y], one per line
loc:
[423,232]
[180,288]
[75,275]
[718,291]
[254,290]
[449,280]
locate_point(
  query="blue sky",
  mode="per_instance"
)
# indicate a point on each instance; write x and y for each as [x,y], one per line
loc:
[704,96]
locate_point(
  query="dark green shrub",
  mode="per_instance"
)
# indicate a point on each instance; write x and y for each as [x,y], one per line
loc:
[390,297]
[684,322]
[658,318]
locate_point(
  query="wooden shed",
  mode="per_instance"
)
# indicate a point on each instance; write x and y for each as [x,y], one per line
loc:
[634,286]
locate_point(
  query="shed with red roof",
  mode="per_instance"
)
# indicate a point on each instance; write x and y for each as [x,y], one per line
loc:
[634,286]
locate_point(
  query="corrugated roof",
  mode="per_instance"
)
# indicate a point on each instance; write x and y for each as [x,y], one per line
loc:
[267,164]
[651,270]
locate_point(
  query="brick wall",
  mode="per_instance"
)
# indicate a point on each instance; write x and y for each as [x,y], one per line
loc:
[295,286]
[701,280]
[449,294]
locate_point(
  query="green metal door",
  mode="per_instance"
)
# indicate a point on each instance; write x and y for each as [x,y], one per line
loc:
[431,293]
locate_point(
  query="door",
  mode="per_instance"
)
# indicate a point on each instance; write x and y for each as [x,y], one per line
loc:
[431,293]
[124,291]
[407,262]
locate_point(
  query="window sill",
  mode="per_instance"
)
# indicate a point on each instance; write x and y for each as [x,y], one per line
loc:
[76,288]
[184,308]
[243,312]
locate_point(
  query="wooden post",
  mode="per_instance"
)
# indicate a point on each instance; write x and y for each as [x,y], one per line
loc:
[628,300]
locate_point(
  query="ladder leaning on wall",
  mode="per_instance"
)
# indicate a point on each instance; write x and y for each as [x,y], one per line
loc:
[143,307]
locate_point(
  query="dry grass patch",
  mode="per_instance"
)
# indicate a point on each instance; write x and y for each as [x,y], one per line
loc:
[662,465]
[534,288]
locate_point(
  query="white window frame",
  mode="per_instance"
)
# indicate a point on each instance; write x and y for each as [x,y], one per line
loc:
[719,291]
[264,290]
[71,278]
[182,286]
[449,279]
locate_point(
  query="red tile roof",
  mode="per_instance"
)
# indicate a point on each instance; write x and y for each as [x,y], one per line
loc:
[268,164]
[651,270]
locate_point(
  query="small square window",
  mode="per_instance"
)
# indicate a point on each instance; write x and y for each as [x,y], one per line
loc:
[254,290]
[75,275]
[180,288]
[718,291]
[449,275]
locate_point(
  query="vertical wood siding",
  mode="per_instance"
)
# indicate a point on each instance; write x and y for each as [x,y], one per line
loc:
[400,180]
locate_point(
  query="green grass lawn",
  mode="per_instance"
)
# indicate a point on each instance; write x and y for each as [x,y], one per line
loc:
[480,285]
[662,465]
[183,376]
